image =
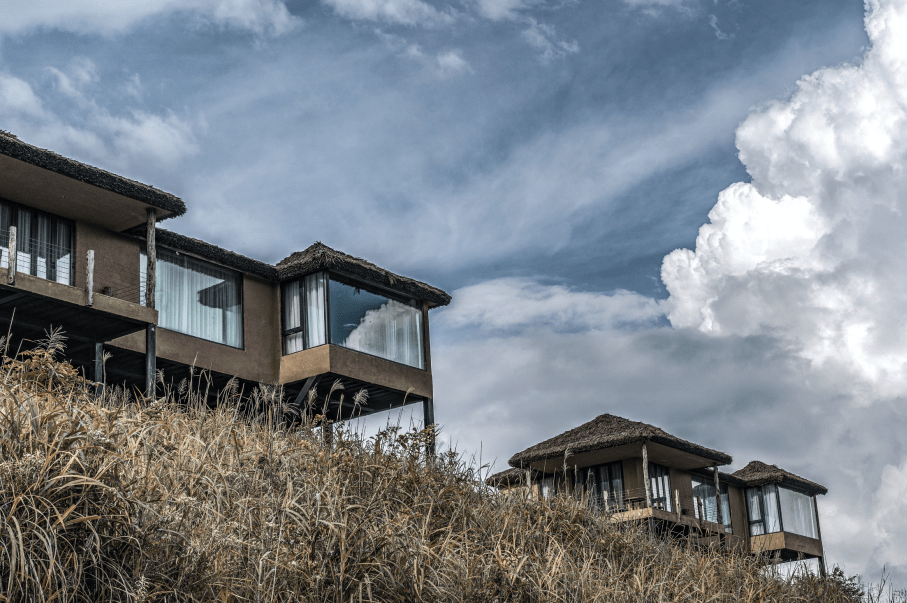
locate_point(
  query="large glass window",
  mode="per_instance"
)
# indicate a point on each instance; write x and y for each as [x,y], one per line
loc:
[44,243]
[318,310]
[197,298]
[763,509]
[798,512]
[704,506]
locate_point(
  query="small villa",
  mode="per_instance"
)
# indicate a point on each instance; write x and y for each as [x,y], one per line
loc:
[637,472]
[82,250]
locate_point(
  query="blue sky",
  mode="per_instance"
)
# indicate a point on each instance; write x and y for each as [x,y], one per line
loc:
[542,160]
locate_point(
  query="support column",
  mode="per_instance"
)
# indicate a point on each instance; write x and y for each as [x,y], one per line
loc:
[97,362]
[822,568]
[645,475]
[428,420]
[150,361]
[151,252]
[13,256]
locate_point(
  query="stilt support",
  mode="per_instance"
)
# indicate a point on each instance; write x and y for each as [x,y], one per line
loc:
[150,361]
[428,416]
[97,362]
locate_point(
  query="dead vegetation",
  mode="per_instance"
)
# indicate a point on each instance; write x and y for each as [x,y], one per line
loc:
[108,499]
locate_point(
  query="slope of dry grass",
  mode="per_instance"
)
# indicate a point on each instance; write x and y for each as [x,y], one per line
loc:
[106,499]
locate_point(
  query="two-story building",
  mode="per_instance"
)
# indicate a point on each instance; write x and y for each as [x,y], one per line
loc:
[80,248]
[638,472]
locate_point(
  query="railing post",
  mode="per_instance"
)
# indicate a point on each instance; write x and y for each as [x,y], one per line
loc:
[645,475]
[13,255]
[89,276]
[677,504]
[717,496]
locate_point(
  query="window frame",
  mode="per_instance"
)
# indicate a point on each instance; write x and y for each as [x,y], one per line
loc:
[349,281]
[143,259]
[763,504]
[33,235]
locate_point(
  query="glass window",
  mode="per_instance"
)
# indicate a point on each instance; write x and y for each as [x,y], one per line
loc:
[704,506]
[660,487]
[197,298]
[763,510]
[43,243]
[547,486]
[356,319]
[798,512]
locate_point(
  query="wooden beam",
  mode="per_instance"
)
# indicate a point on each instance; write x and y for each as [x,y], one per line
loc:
[428,420]
[12,298]
[151,252]
[717,496]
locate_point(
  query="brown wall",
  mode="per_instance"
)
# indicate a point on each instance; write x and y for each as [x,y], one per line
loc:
[116,260]
[260,358]
[633,474]
[682,482]
[737,501]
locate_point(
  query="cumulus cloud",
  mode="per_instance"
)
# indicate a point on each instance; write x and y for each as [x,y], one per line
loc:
[813,248]
[542,37]
[403,12]
[812,252]
[116,141]
[261,17]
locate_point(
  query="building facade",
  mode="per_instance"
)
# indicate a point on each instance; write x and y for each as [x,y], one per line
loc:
[637,472]
[81,249]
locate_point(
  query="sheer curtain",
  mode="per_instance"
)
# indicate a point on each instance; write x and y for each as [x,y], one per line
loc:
[62,254]
[23,240]
[197,298]
[798,513]
[315,309]
[772,517]
[292,319]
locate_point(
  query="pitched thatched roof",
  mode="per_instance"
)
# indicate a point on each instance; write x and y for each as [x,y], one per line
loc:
[218,255]
[607,431]
[508,478]
[758,473]
[11,146]
[321,257]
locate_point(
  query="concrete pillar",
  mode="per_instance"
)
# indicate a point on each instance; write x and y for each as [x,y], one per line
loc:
[97,362]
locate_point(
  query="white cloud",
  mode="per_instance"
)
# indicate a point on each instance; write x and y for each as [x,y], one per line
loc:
[511,303]
[542,37]
[114,141]
[262,17]
[452,62]
[504,9]
[813,248]
[403,12]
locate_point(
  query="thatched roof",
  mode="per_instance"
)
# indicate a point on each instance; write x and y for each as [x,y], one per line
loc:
[758,473]
[508,478]
[11,146]
[218,255]
[321,257]
[725,478]
[607,431]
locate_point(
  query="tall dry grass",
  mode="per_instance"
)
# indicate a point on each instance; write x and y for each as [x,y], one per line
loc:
[109,499]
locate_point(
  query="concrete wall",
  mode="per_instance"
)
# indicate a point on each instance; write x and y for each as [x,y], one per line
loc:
[116,260]
[259,360]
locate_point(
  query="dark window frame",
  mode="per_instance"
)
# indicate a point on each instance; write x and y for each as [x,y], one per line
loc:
[33,235]
[763,503]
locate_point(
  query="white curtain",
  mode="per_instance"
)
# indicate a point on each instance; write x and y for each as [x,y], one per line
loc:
[798,513]
[23,240]
[62,253]
[315,309]
[772,518]
[392,331]
[197,298]
[292,319]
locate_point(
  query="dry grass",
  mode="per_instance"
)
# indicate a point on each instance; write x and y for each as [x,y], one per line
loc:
[111,500]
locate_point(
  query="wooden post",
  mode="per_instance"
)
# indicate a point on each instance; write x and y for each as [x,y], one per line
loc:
[151,253]
[89,276]
[717,496]
[428,419]
[150,361]
[645,475]
[822,569]
[13,255]
[677,504]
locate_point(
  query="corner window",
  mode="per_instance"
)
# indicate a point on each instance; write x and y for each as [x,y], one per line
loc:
[196,298]
[44,243]
[798,513]
[321,309]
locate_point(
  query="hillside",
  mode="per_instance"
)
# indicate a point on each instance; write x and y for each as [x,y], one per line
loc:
[111,500]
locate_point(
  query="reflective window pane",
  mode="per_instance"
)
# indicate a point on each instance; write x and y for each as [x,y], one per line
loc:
[772,516]
[374,324]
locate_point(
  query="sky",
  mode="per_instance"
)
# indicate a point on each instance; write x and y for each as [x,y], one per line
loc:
[684,212]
